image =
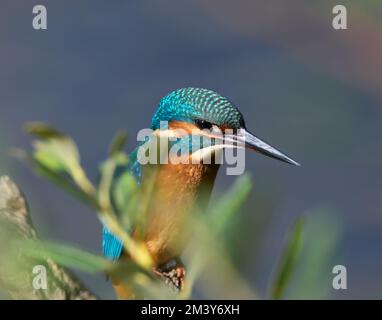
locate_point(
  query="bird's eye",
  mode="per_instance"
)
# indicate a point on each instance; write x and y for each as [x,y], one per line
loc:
[202,124]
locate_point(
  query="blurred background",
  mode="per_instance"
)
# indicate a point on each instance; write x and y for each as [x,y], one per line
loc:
[310,90]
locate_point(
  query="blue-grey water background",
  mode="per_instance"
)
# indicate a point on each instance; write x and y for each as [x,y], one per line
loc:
[310,90]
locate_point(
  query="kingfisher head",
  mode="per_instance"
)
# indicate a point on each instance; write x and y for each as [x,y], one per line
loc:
[207,112]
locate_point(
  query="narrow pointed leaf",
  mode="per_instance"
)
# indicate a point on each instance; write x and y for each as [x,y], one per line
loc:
[289,258]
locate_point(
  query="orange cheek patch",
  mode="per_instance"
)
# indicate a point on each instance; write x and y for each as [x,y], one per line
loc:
[184,128]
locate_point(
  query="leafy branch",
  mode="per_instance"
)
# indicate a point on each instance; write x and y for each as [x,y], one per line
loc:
[55,156]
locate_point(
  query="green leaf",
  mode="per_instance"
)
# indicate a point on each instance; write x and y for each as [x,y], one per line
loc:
[143,197]
[118,143]
[125,195]
[289,258]
[228,204]
[107,173]
[66,255]
[61,180]
[42,130]
[322,236]
[58,153]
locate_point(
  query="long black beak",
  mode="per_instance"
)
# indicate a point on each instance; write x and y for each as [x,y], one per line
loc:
[249,141]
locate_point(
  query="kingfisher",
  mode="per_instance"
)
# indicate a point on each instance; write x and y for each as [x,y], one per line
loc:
[189,113]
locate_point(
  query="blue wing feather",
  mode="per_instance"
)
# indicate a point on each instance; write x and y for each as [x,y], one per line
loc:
[111,245]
